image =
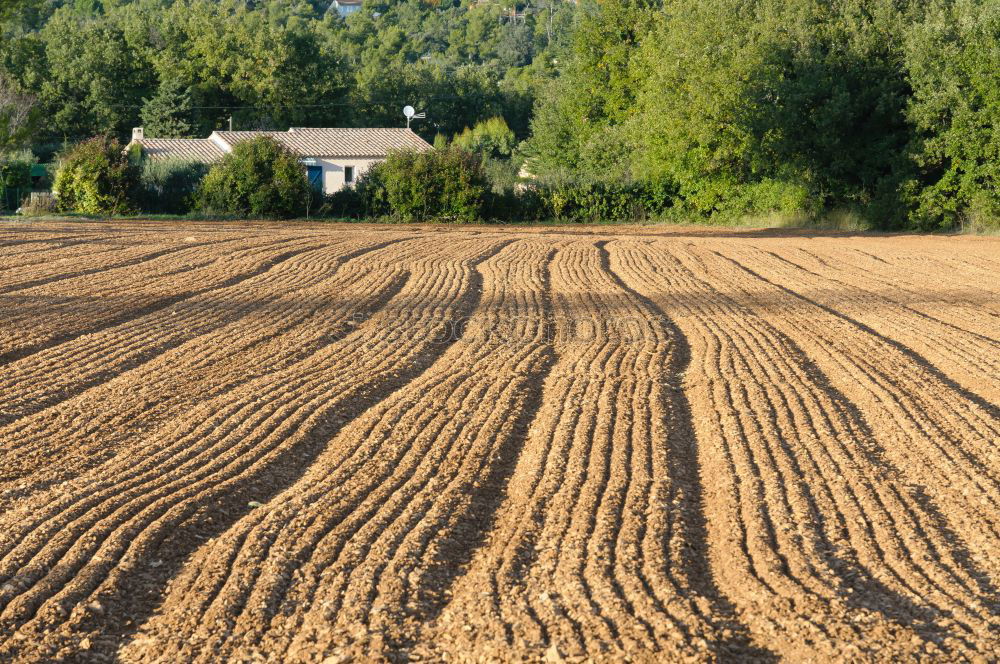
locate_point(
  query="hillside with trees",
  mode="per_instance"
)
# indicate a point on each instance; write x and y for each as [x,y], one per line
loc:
[184,67]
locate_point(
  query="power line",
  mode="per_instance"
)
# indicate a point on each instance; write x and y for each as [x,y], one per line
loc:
[336,104]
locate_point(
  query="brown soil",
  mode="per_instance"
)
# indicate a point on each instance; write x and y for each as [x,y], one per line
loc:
[300,443]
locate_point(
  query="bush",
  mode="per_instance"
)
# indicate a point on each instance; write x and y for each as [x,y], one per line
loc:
[169,186]
[15,179]
[503,174]
[490,138]
[96,177]
[448,185]
[951,58]
[38,204]
[572,199]
[259,178]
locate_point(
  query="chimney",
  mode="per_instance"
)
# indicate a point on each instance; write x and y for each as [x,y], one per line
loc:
[137,134]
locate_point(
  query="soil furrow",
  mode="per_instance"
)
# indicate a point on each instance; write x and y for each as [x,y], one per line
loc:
[962,307]
[124,258]
[303,442]
[843,509]
[43,317]
[920,432]
[415,497]
[265,273]
[971,360]
[239,452]
[159,326]
[555,573]
[291,300]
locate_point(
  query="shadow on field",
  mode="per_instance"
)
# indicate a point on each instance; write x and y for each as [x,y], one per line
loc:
[133,601]
[470,532]
[134,307]
[684,472]
[917,359]
[870,593]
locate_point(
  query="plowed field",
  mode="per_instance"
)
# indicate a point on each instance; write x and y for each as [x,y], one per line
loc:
[294,443]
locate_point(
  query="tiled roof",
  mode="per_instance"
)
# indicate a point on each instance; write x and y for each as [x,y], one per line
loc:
[375,142]
[189,149]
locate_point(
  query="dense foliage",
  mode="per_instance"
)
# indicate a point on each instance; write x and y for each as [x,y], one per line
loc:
[446,185]
[15,179]
[259,178]
[490,138]
[169,186]
[953,58]
[97,177]
[454,184]
[885,109]
[18,114]
[184,67]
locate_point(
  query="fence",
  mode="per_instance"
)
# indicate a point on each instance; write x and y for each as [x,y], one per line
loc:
[14,198]
[11,198]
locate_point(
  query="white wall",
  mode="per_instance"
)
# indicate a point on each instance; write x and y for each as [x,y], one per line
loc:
[333,170]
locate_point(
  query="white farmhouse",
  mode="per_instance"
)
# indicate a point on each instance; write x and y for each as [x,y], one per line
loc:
[334,158]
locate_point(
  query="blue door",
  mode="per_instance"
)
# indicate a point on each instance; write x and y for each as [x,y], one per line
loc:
[315,174]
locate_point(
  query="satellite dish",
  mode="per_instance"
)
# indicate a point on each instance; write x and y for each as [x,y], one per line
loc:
[408,111]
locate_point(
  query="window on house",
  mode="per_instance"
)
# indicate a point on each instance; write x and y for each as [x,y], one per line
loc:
[348,174]
[315,174]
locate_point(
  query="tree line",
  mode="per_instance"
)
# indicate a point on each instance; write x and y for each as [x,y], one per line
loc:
[887,109]
[185,67]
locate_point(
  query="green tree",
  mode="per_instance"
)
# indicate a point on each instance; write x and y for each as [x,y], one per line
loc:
[169,185]
[18,115]
[88,7]
[490,138]
[94,80]
[276,73]
[259,178]
[952,58]
[96,177]
[96,65]
[10,8]
[767,105]
[446,185]
[577,124]
[516,45]
[168,113]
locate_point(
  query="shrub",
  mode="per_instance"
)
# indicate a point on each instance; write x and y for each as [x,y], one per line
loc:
[169,186]
[259,178]
[573,199]
[96,177]
[15,179]
[38,204]
[951,58]
[517,205]
[459,186]
[503,174]
[437,184]
[365,200]
[490,138]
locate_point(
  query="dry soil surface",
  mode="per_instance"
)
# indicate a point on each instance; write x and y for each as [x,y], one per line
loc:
[319,443]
